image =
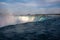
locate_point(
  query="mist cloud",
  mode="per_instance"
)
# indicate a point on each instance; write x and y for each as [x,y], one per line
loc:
[6,17]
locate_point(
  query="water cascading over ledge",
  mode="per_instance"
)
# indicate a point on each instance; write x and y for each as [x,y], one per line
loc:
[18,19]
[34,18]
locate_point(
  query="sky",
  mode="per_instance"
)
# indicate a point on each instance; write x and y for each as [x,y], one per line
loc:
[9,8]
[30,6]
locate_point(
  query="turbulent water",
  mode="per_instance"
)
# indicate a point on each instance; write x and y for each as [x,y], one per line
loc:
[48,29]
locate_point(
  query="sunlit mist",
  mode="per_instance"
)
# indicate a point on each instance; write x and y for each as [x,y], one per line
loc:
[24,19]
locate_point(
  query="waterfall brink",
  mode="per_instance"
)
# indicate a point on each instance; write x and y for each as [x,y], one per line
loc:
[10,19]
[34,18]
